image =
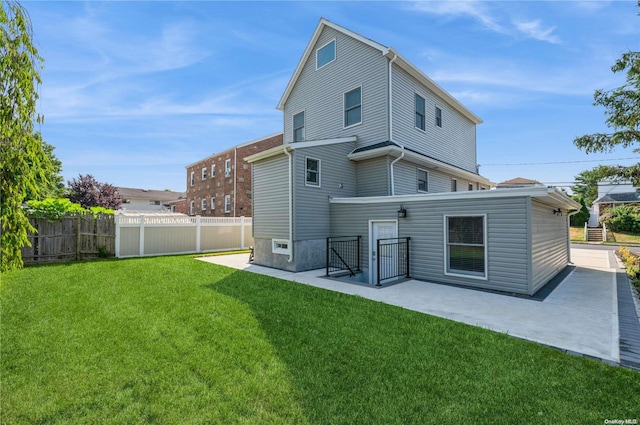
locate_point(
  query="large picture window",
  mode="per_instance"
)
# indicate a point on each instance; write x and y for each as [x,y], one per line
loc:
[353,107]
[466,246]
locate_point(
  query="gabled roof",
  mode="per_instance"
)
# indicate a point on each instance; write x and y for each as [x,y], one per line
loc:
[385,51]
[518,182]
[614,198]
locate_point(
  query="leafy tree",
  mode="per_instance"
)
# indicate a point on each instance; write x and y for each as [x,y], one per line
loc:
[53,185]
[22,157]
[586,188]
[622,106]
[88,192]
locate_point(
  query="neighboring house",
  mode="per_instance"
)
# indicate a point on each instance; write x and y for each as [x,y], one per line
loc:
[373,148]
[141,200]
[612,194]
[518,182]
[179,206]
[220,185]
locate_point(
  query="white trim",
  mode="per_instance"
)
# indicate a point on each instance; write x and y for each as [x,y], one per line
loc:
[213,171]
[275,249]
[447,270]
[192,179]
[304,126]
[418,169]
[371,221]
[552,196]
[203,173]
[435,115]
[278,150]
[227,205]
[344,108]
[453,179]
[213,203]
[306,183]
[227,169]
[335,53]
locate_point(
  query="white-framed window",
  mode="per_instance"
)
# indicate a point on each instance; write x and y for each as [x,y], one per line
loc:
[312,172]
[454,185]
[192,178]
[298,127]
[470,186]
[280,246]
[192,208]
[465,246]
[213,204]
[227,168]
[204,173]
[227,203]
[213,170]
[438,117]
[423,180]
[420,112]
[203,205]
[353,107]
[326,54]
[173,208]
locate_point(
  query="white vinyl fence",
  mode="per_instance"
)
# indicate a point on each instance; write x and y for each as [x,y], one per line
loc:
[138,236]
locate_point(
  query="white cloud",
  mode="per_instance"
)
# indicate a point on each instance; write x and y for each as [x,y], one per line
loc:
[535,30]
[473,9]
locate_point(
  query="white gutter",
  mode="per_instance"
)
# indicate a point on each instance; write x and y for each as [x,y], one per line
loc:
[393,189]
[235,180]
[290,207]
[569,234]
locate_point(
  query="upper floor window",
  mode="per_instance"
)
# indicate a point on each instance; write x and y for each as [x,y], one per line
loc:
[438,117]
[423,181]
[192,208]
[203,205]
[213,204]
[298,127]
[353,107]
[312,172]
[227,203]
[204,173]
[326,54]
[227,168]
[213,170]
[420,112]
[192,178]
[454,185]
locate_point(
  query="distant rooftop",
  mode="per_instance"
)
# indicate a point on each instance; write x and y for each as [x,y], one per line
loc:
[148,194]
[518,182]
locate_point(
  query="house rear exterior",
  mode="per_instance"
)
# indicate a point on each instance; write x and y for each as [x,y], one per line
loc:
[375,150]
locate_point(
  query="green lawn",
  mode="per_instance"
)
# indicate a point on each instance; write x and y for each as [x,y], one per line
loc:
[174,340]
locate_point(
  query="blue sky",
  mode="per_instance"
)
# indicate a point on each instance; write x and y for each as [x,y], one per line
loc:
[134,91]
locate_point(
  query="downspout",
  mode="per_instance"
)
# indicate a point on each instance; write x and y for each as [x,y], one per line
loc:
[395,56]
[290,208]
[235,180]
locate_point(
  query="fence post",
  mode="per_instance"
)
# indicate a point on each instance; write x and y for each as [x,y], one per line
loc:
[117,241]
[241,232]
[141,242]
[198,233]
[78,237]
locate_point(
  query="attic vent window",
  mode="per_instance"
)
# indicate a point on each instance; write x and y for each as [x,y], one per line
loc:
[326,54]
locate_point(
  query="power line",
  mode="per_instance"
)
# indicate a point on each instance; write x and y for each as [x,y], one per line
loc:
[559,162]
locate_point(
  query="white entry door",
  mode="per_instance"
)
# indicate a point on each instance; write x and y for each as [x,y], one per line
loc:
[383,229]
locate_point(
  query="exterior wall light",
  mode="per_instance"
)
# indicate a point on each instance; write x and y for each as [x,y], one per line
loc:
[402,213]
[558,212]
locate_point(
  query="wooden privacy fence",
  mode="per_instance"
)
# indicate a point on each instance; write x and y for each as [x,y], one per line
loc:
[138,236]
[73,237]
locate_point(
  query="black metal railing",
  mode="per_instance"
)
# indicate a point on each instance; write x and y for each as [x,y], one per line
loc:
[343,253]
[392,259]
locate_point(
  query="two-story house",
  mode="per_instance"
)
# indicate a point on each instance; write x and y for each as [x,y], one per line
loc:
[220,185]
[375,149]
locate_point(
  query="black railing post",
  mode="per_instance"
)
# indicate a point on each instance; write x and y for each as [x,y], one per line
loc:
[408,274]
[377,262]
[328,254]
[359,268]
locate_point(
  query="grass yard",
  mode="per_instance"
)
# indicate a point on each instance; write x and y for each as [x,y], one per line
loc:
[175,340]
[576,233]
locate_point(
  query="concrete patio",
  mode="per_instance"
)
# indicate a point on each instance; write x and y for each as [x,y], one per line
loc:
[580,315]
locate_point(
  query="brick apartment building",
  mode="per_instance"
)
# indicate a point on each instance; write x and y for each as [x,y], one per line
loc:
[220,185]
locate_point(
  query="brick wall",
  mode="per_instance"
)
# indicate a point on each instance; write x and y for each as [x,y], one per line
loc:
[204,187]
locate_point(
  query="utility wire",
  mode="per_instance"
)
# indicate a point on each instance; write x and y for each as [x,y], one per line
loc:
[560,162]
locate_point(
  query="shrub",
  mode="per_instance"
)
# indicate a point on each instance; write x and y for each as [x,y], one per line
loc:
[56,208]
[581,217]
[623,218]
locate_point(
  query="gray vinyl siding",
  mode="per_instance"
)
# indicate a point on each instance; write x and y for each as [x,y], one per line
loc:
[453,143]
[549,244]
[311,210]
[406,179]
[507,236]
[373,177]
[271,198]
[320,93]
